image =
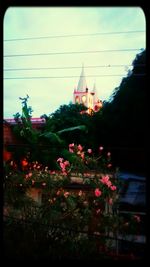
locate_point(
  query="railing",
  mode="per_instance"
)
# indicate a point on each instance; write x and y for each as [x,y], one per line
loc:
[115,246]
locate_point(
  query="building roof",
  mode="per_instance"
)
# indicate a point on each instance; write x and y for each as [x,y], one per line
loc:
[33,120]
[82,82]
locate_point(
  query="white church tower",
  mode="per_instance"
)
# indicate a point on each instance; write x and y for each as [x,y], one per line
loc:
[84,96]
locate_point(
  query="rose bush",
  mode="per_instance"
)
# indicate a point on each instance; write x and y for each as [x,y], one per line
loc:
[81,196]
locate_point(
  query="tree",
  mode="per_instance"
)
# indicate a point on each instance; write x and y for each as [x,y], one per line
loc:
[44,147]
[125,115]
[67,116]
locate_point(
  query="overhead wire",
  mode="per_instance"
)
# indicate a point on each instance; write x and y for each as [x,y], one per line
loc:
[75,52]
[60,77]
[71,35]
[74,67]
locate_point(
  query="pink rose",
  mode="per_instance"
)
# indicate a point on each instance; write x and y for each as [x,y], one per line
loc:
[52,172]
[137,218]
[58,193]
[98,211]
[80,147]
[66,194]
[109,183]
[60,160]
[71,145]
[82,155]
[110,201]
[89,150]
[71,150]
[113,187]
[80,193]
[105,179]
[109,165]
[66,163]
[97,192]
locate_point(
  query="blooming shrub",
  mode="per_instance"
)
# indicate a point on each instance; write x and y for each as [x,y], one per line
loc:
[87,206]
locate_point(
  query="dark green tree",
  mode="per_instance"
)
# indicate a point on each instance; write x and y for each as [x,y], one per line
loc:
[67,116]
[125,116]
[42,146]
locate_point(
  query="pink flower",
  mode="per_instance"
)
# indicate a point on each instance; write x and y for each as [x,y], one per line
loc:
[66,194]
[52,172]
[62,165]
[97,192]
[80,147]
[60,160]
[105,179]
[110,201]
[66,163]
[58,193]
[26,176]
[33,182]
[109,165]
[30,174]
[71,150]
[71,145]
[87,174]
[98,211]
[109,183]
[101,148]
[44,184]
[89,150]
[108,154]
[137,218]
[80,193]
[113,187]
[82,155]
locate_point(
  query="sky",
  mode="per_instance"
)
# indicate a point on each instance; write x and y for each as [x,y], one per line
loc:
[47,94]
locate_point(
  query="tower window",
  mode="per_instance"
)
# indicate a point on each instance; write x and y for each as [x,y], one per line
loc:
[83,98]
[77,99]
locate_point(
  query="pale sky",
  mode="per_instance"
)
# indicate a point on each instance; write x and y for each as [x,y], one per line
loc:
[46,95]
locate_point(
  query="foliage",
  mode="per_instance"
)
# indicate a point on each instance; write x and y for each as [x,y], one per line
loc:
[39,145]
[70,116]
[121,122]
[78,219]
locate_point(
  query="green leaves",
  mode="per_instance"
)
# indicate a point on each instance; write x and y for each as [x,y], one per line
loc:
[51,137]
[80,127]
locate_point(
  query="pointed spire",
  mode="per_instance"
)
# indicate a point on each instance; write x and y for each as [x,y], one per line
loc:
[82,81]
[95,92]
[94,88]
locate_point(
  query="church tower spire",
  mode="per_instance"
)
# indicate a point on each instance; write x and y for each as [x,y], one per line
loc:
[82,95]
[95,93]
[82,81]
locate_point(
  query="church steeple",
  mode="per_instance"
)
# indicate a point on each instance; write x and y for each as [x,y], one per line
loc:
[95,93]
[82,82]
[82,95]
